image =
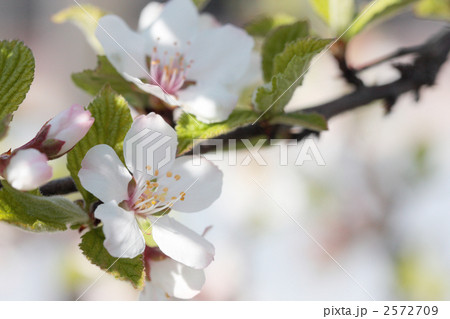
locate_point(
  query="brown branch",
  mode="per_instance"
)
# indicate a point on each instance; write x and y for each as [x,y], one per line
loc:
[422,72]
[60,186]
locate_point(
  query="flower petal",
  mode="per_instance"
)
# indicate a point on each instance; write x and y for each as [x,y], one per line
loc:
[199,179]
[252,76]
[124,48]
[150,145]
[176,279]
[208,21]
[152,89]
[176,25]
[213,59]
[28,169]
[103,174]
[123,238]
[181,243]
[153,292]
[209,103]
[149,14]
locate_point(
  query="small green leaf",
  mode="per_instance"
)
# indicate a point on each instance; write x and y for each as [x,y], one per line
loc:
[263,25]
[188,129]
[311,121]
[289,68]
[16,75]
[85,17]
[277,40]
[437,9]
[37,213]
[146,228]
[128,269]
[337,14]
[374,11]
[112,122]
[201,3]
[92,81]
[322,9]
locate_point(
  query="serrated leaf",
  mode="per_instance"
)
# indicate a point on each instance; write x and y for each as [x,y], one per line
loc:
[263,25]
[375,10]
[85,17]
[92,81]
[337,14]
[112,122]
[437,9]
[311,121]
[37,213]
[289,68]
[16,75]
[201,3]
[188,129]
[128,269]
[277,40]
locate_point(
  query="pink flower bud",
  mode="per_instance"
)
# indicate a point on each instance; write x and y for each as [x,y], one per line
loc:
[27,169]
[69,126]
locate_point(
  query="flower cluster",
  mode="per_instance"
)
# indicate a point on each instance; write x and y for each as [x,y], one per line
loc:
[26,168]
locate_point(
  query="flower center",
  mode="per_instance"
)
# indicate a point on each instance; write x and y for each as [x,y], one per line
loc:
[154,198]
[168,71]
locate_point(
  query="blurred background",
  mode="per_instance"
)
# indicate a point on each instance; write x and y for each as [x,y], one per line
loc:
[380,207]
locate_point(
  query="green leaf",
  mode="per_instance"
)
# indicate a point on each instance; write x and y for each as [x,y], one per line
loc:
[188,129]
[437,9]
[128,269]
[289,68]
[277,40]
[92,81]
[85,17]
[263,25]
[201,3]
[112,122]
[16,75]
[311,121]
[322,9]
[37,213]
[337,14]
[374,11]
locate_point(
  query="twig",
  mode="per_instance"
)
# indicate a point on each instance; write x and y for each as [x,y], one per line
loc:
[60,186]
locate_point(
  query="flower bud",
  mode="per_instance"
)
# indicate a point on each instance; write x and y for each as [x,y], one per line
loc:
[69,126]
[27,169]
[62,133]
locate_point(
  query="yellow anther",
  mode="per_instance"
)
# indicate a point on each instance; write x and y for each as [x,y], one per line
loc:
[177,177]
[169,174]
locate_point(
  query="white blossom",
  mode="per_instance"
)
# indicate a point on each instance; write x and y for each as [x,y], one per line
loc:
[182,57]
[131,198]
